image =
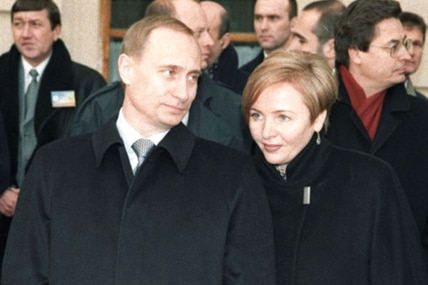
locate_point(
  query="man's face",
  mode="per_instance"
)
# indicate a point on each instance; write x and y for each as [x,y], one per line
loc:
[161,83]
[33,35]
[417,39]
[272,23]
[302,36]
[214,21]
[192,15]
[376,69]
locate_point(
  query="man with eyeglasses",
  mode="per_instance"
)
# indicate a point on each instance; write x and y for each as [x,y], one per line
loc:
[373,113]
[415,28]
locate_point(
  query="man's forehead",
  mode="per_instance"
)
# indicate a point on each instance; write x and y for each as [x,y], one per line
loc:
[274,7]
[34,14]
[388,30]
[307,20]
[413,29]
[156,40]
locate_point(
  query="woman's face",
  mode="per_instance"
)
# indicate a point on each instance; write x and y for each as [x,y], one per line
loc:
[280,123]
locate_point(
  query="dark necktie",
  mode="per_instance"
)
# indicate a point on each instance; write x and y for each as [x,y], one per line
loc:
[31,95]
[142,148]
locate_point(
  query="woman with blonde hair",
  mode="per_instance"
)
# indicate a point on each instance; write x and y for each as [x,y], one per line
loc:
[339,216]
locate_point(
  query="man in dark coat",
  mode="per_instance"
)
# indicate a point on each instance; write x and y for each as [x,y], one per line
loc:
[272,21]
[374,113]
[215,113]
[223,60]
[36,26]
[95,210]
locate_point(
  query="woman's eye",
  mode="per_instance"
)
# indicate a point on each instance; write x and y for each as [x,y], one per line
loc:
[255,116]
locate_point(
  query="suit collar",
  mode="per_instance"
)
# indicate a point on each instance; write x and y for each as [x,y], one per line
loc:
[396,101]
[179,143]
[203,93]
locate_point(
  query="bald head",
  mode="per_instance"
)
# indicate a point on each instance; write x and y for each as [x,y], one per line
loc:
[191,14]
[213,10]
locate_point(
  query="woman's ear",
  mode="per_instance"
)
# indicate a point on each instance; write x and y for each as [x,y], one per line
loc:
[319,121]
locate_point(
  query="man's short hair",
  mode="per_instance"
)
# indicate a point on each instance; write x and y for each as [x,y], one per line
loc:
[412,20]
[330,11]
[39,5]
[356,27]
[293,9]
[225,22]
[137,36]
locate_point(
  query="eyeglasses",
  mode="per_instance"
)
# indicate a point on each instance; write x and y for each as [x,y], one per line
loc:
[394,49]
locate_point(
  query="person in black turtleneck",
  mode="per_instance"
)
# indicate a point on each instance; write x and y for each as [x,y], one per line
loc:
[339,216]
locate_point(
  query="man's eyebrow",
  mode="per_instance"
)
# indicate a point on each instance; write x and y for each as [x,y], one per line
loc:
[300,36]
[196,71]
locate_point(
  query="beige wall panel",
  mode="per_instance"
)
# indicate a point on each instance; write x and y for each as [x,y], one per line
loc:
[6,34]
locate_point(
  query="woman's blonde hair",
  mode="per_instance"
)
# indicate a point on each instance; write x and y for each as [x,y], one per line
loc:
[306,72]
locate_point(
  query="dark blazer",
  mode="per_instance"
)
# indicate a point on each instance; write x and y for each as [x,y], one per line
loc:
[226,71]
[251,65]
[215,113]
[60,74]
[357,228]
[195,213]
[401,140]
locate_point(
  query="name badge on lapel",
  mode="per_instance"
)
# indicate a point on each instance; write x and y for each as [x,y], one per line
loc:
[63,99]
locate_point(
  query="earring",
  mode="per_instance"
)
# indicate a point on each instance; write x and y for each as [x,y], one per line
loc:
[318,141]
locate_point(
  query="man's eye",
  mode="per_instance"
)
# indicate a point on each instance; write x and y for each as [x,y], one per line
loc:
[284,117]
[394,48]
[169,72]
[194,77]
[417,44]
[198,34]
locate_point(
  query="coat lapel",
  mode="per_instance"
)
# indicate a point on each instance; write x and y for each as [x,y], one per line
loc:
[395,101]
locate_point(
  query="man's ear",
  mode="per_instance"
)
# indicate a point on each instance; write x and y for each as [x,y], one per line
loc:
[56,32]
[125,64]
[328,50]
[354,55]
[225,40]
